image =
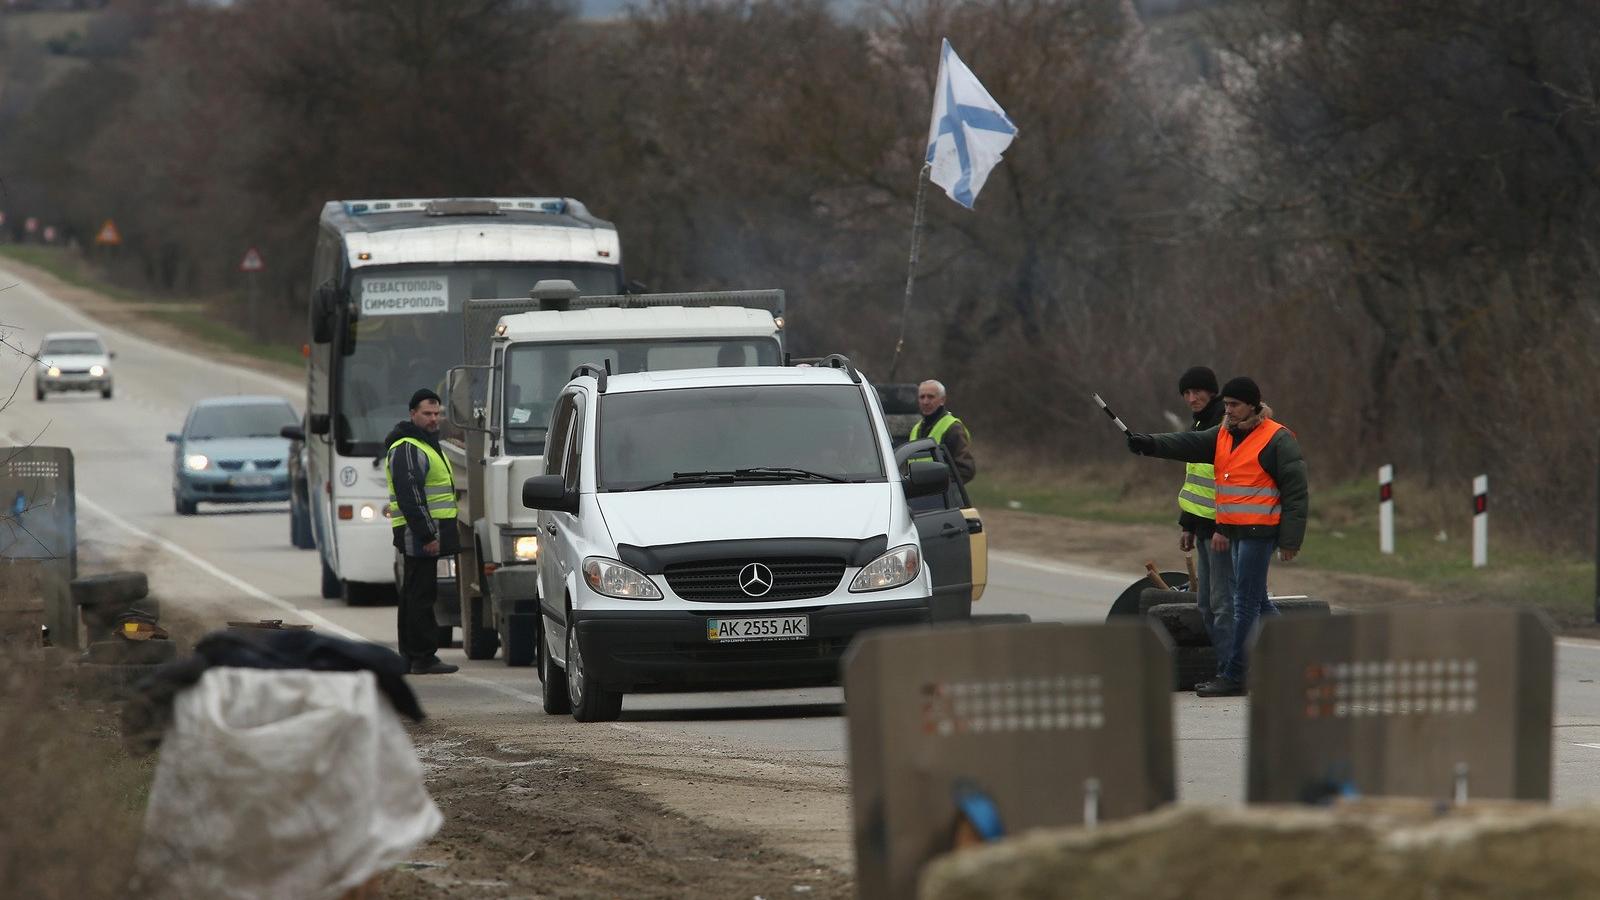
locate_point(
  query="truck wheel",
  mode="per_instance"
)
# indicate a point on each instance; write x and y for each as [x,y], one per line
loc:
[331,588]
[517,638]
[552,678]
[590,702]
[477,640]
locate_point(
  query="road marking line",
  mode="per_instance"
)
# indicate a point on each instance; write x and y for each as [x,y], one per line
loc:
[1058,568]
[507,690]
[1590,746]
[231,580]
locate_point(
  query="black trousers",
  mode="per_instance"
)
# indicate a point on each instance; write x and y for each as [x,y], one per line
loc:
[418,631]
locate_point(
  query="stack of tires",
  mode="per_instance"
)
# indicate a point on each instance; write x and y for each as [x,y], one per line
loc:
[106,603]
[1178,614]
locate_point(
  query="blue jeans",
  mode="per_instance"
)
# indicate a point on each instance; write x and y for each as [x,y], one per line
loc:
[1251,557]
[1215,590]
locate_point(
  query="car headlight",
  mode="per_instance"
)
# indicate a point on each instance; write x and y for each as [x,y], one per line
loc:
[54,372]
[97,371]
[526,548]
[609,578]
[196,462]
[891,570]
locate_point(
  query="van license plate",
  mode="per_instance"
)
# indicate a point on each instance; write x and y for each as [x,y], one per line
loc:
[767,628]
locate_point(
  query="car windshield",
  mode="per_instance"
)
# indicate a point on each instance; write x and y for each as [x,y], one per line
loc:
[237,420]
[536,373]
[812,433]
[72,347]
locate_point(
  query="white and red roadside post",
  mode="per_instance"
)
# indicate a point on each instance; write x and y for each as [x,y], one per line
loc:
[1386,510]
[1480,521]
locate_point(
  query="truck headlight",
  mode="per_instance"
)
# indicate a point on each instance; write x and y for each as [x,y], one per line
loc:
[526,548]
[195,462]
[609,578]
[891,570]
[97,371]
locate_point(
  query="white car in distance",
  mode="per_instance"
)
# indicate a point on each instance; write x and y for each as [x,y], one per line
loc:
[72,361]
[724,528]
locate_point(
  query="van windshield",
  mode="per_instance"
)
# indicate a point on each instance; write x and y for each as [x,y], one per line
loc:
[536,373]
[649,438]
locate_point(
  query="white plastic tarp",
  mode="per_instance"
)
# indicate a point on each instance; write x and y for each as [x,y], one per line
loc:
[282,783]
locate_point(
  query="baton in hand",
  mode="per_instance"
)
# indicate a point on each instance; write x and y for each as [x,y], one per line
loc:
[1108,412]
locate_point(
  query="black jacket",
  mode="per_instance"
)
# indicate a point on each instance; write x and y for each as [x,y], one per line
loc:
[408,467]
[1202,527]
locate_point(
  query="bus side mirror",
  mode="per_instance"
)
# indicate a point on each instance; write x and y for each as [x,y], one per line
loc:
[324,311]
[292,432]
[318,423]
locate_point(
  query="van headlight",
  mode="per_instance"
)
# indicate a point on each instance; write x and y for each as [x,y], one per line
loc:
[891,570]
[609,578]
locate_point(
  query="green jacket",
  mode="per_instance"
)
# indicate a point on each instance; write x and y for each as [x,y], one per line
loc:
[1280,458]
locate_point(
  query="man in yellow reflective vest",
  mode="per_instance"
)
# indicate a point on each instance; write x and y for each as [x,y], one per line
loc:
[1197,517]
[422,511]
[940,425]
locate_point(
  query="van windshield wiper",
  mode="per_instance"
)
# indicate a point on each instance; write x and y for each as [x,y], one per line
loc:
[724,476]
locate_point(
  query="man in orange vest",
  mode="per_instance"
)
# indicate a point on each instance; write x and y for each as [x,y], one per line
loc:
[1262,504]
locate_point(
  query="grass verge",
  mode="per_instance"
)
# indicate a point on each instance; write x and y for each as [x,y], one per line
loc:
[196,323]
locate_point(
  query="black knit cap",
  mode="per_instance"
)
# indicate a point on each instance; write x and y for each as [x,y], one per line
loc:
[1244,390]
[421,395]
[1198,378]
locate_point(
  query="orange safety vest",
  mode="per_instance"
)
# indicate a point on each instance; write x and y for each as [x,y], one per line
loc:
[1246,494]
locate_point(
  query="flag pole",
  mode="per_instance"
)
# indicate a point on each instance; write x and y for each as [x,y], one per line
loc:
[911,267]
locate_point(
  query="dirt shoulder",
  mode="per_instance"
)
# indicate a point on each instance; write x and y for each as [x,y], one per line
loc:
[136,318]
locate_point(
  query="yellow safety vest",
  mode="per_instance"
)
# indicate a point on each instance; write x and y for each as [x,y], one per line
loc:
[945,423]
[439,488]
[1199,493]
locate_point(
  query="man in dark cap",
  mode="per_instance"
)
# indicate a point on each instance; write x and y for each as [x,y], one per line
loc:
[1262,504]
[1197,518]
[422,511]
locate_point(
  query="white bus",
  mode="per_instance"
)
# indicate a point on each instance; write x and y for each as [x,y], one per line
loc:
[392,278]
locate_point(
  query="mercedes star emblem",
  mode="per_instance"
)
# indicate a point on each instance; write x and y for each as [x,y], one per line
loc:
[755,580]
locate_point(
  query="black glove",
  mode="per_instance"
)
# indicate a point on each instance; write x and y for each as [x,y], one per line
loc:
[1141,444]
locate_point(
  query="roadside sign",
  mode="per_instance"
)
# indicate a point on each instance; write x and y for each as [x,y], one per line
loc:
[49,234]
[30,224]
[1415,702]
[1000,729]
[108,235]
[252,261]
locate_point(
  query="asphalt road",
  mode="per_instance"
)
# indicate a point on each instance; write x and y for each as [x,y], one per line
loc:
[239,558]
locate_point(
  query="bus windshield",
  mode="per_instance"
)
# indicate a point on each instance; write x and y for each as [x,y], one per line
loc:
[407,334]
[536,373]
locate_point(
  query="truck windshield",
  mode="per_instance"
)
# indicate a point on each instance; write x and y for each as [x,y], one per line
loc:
[651,437]
[407,334]
[536,373]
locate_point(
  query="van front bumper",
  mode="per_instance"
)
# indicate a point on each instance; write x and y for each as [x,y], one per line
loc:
[667,650]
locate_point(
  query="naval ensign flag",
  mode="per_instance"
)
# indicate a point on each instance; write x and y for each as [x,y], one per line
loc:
[969,131]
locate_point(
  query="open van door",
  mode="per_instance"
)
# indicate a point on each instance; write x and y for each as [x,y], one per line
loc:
[946,536]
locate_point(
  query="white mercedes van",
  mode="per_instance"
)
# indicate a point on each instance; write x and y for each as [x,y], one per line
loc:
[725,528]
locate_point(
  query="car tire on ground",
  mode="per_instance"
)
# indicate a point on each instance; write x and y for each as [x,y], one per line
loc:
[479,640]
[105,394]
[184,507]
[1127,602]
[1153,597]
[1303,606]
[590,702]
[332,588]
[121,651]
[360,593]
[552,678]
[1192,665]
[110,589]
[1183,622]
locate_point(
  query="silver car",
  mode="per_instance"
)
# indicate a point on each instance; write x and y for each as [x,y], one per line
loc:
[73,361]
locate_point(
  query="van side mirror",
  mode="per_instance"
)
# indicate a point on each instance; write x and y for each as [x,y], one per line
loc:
[927,478]
[919,447]
[318,423]
[325,302]
[292,432]
[549,492]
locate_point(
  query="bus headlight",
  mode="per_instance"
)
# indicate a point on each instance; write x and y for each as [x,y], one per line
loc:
[368,512]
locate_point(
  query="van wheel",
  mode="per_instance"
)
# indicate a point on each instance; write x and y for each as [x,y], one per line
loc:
[590,703]
[552,678]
